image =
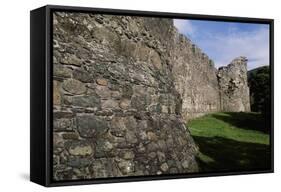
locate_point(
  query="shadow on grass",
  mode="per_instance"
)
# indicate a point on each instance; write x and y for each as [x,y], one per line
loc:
[249,121]
[220,154]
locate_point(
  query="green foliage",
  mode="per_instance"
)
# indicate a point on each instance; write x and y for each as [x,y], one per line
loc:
[231,142]
[259,83]
[193,48]
[211,63]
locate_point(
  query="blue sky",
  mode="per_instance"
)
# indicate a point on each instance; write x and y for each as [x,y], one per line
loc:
[223,41]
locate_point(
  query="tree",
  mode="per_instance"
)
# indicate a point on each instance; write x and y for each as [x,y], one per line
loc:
[259,83]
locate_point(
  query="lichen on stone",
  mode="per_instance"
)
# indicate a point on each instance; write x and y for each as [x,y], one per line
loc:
[123,90]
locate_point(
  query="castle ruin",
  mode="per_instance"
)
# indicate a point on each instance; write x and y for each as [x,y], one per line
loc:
[123,90]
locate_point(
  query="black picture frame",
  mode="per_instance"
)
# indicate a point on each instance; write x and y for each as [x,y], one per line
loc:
[41,92]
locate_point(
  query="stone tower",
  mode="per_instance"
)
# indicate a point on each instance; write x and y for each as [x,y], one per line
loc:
[234,90]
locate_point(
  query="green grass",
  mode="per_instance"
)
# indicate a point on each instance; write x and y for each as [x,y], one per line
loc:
[231,142]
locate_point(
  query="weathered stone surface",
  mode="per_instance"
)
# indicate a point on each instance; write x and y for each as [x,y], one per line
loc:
[131,137]
[58,141]
[152,155]
[129,155]
[56,93]
[83,76]
[79,161]
[79,148]
[74,86]
[62,114]
[152,146]
[152,136]
[164,167]
[71,59]
[103,148]
[123,90]
[185,164]
[126,167]
[86,101]
[104,167]
[156,60]
[118,127]
[161,156]
[103,92]
[64,124]
[71,135]
[202,87]
[62,71]
[195,79]
[109,104]
[102,82]
[89,125]
[125,104]
[234,86]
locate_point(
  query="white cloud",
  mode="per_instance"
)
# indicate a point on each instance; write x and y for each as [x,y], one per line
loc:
[254,45]
[185,26]
[226,45]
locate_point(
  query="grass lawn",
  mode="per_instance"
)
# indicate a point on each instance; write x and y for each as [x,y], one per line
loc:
[231,142]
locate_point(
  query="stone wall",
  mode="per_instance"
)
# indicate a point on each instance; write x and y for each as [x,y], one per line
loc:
[116,110]
[123,89]
[234,88]
[195,77]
